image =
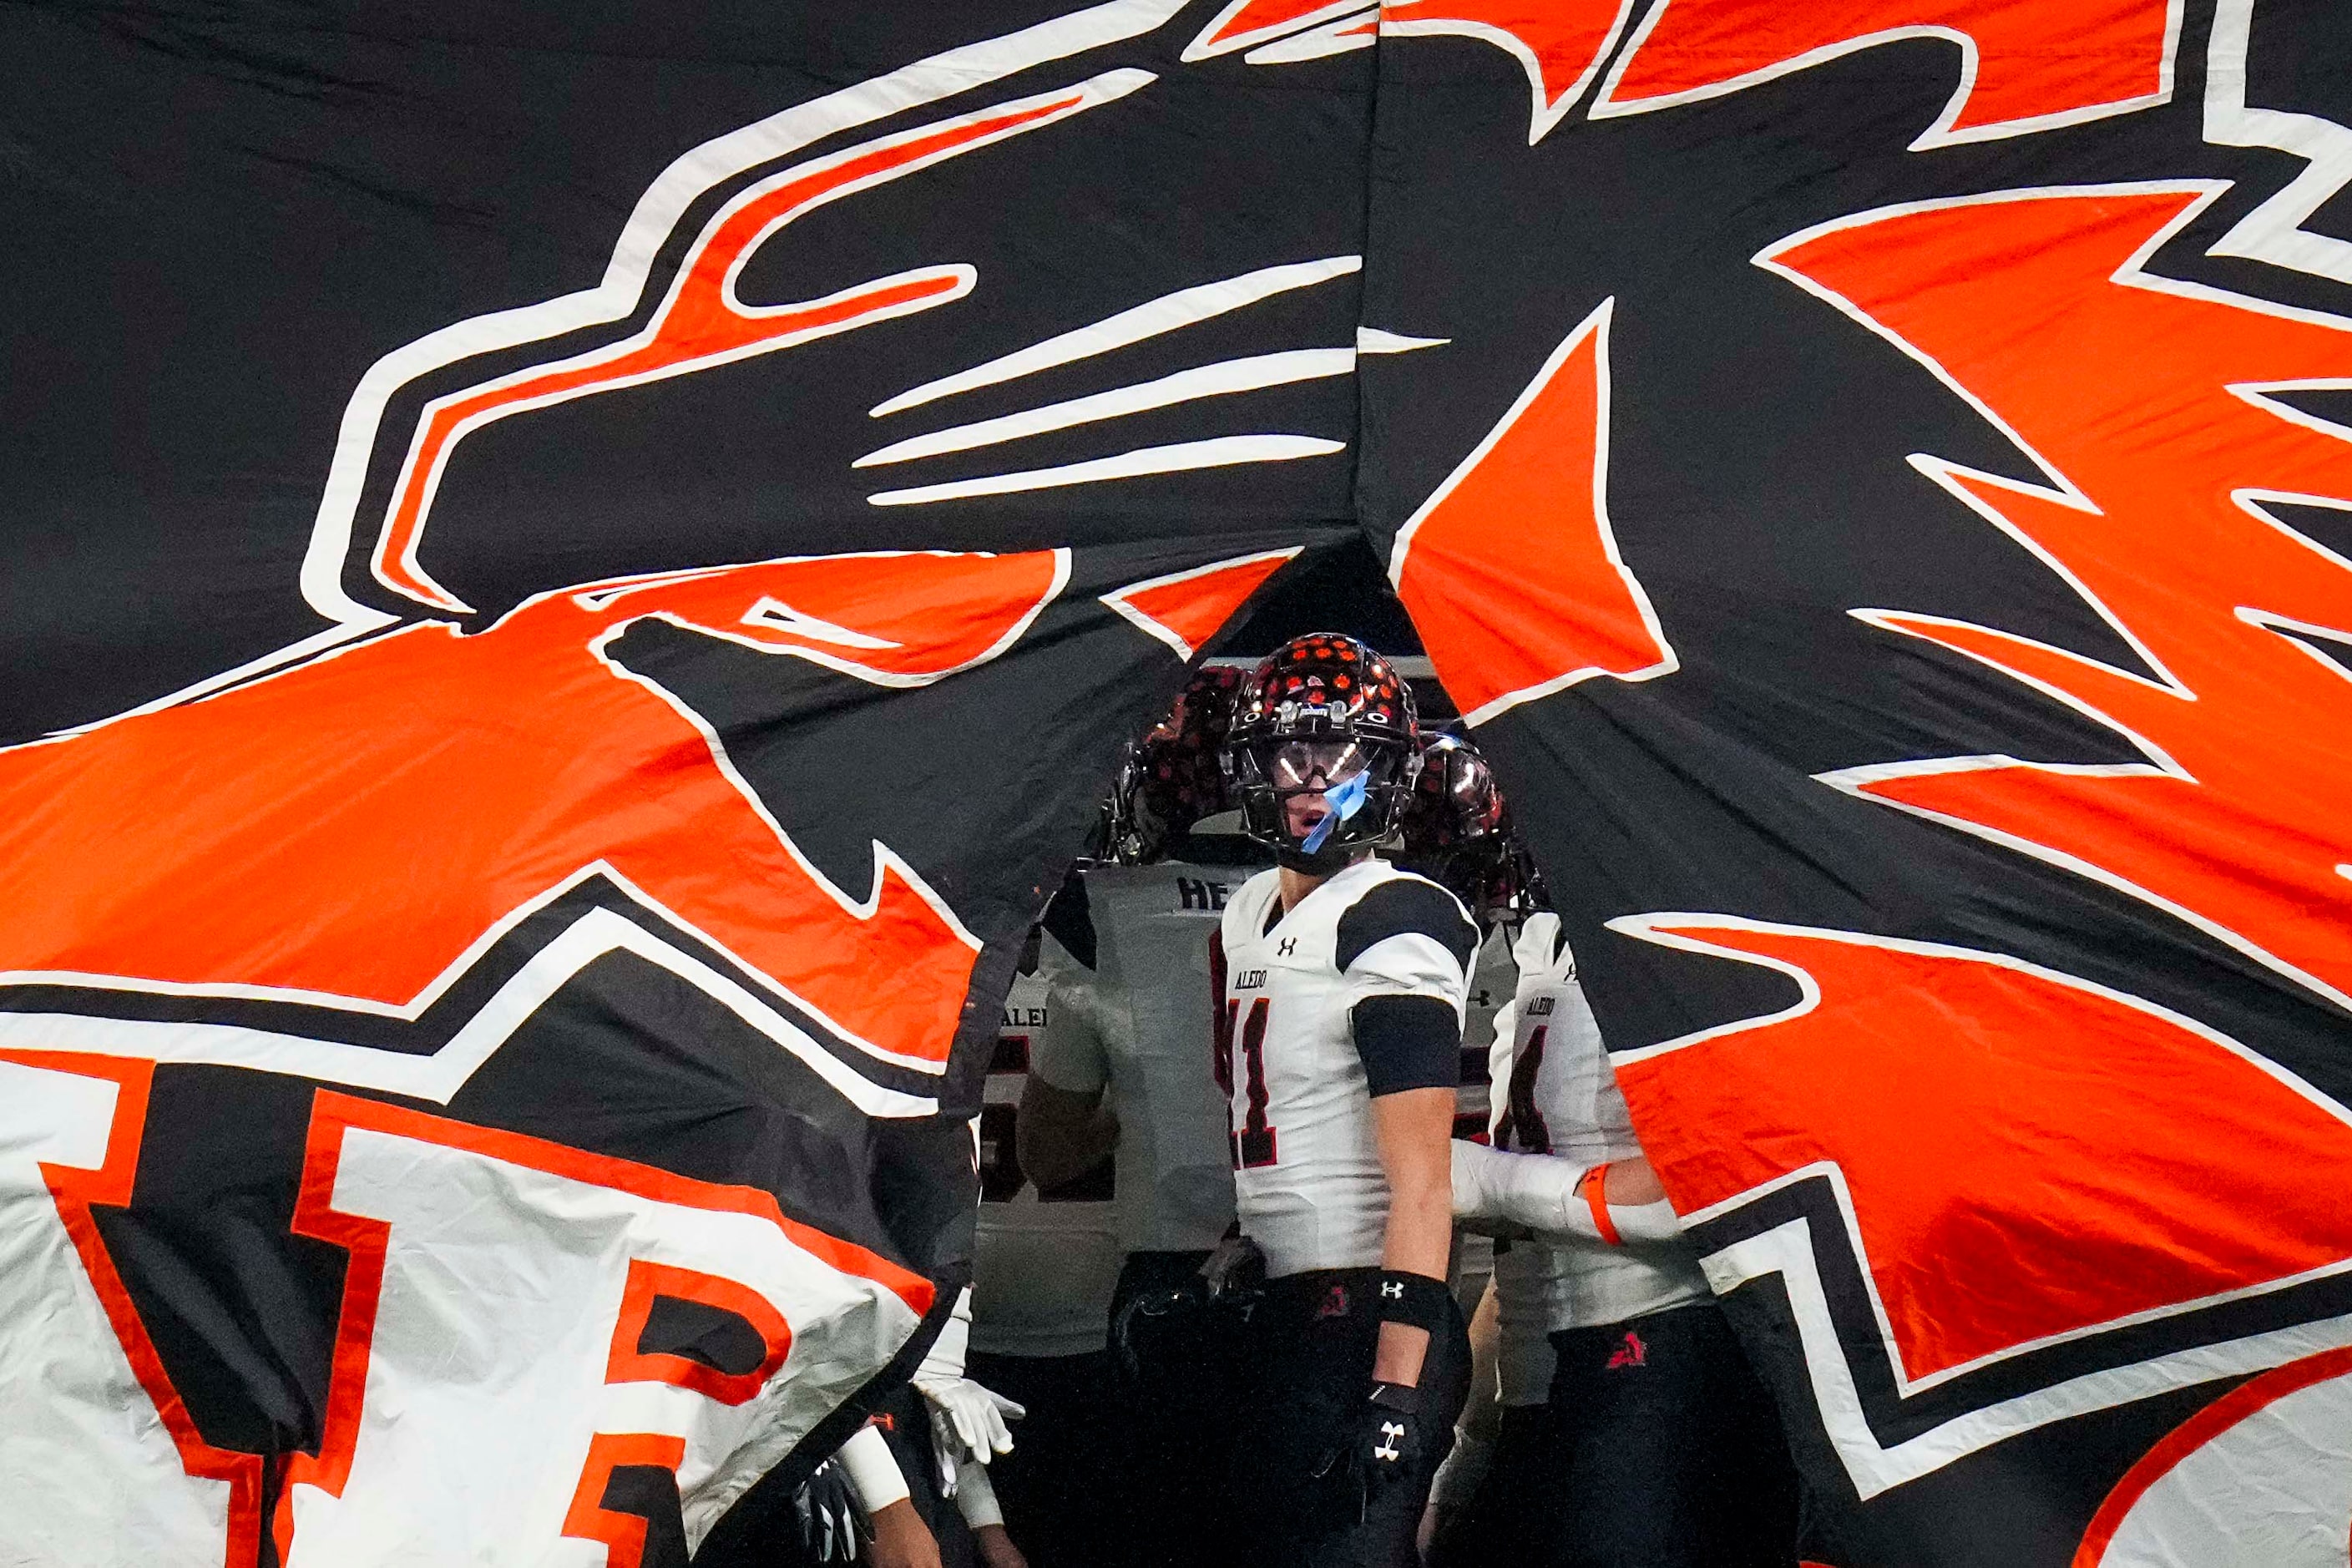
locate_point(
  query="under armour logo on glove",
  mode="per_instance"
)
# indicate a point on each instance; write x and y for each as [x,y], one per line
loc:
[1393,1289]
[1386,1446]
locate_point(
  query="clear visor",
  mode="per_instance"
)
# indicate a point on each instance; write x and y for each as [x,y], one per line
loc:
[1316,764]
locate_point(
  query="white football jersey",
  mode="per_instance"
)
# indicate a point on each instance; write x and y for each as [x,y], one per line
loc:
[1043,1267]
[1308,1175]
[1137,1024]
[1523,1271]
[1493,977]
[1555,1093]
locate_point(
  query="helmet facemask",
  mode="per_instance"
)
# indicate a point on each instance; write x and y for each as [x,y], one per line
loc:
[1320,802]
[1173,776]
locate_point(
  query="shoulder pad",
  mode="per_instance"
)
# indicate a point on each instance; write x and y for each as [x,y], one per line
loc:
[1400,904]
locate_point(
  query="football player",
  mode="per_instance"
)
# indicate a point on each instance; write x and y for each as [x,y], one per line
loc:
[1045,1259]
[910,1488]
[1454,830]
[1659,1448]
[1124,1059]
[1342,982]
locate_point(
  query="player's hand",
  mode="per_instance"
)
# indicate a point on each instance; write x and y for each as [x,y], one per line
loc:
[995,1548]
[967,1419]
[901,1538]
[1235,1273]
[832,1524]
[1385,1442]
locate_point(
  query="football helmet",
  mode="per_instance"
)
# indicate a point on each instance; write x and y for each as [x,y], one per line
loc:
[1323,716]
[1455,830]
[1172,777]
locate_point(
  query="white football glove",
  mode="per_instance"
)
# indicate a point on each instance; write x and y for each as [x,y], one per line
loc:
[967,1420]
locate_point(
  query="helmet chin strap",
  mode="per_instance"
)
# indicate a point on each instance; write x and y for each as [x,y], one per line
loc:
[1323,862]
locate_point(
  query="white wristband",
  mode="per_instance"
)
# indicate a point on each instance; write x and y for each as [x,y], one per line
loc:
[873,1470]
[1646,1222]
[945,1359]
[1458,1478]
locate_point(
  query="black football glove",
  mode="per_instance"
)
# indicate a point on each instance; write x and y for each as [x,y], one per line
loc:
[832,1524]
[1385,1445]
[1147,1316]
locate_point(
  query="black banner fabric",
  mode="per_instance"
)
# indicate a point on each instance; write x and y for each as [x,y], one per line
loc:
[1911,440]
[572,589]
[575,574]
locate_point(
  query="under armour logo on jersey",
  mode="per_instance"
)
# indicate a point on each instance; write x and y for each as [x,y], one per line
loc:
[1390,1432]
[1632,1352]
[1393,1289]
[1284,948]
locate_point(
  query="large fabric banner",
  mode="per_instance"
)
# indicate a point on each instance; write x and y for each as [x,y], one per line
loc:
[1883,501]
[566,608]
[574,576]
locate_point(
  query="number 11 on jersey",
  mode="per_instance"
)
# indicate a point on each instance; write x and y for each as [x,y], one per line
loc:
[1254,1144]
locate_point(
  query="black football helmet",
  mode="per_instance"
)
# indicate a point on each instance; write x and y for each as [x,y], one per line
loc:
[1174,776]
[1456,831]
[1322,715]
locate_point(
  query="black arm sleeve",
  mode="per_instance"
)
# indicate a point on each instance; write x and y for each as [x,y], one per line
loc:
[1407,1042]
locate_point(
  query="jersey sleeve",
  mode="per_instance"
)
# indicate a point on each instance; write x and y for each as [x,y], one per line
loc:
[1537,937]
[1407,937]
[1069,1054]
[1232,931]
[1404,950]
[1499,1054]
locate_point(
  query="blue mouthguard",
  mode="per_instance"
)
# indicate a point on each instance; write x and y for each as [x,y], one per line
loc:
[1345,801]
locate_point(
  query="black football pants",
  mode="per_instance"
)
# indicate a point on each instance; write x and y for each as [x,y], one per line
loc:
[1658,1448]
[1176,1422]
[1054,1487]
[1307,1368]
